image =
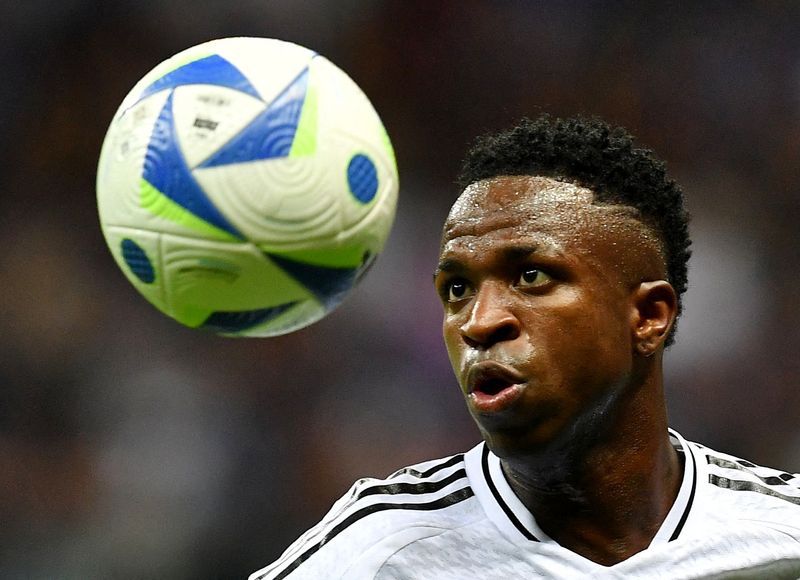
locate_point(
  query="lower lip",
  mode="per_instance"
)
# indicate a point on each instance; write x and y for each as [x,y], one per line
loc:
[494,403]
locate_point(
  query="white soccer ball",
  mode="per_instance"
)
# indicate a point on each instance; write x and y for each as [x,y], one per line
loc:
[245,185]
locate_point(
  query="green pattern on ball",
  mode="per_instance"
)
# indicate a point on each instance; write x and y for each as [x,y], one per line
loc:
[305,137]
[159,204]
[191,316]
[330,257]
[387,143]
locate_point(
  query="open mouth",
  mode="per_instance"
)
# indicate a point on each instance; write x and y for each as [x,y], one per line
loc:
[491,386]
[490,377]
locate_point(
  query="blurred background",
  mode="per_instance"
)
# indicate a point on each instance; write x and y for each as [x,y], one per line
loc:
[131,447]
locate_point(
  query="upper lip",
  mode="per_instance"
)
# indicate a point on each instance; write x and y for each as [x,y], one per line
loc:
[482,375]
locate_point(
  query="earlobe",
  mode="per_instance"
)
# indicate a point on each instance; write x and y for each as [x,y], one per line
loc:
[655,306]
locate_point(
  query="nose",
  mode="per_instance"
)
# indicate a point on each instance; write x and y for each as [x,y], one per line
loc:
[490,321]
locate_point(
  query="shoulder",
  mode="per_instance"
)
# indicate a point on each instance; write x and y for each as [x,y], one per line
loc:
[375,519]
[748,492]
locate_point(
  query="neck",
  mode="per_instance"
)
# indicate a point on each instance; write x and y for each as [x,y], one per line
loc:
[605,493]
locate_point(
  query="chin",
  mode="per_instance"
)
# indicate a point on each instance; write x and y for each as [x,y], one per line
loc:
[520,443]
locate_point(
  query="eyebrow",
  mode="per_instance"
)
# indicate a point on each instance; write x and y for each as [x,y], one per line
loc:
[510,254]
[448,266]
[518,253]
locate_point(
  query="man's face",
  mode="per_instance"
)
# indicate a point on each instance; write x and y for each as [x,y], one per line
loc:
[537,283]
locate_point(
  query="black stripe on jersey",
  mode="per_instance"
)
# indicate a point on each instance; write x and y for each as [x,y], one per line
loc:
[738,485]
[688,455]
[742,465]
[501,502]
[443,502]
[422,487]
[431,470]
[412,487]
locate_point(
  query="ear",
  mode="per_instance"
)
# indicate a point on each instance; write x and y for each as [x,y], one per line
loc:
[655,306]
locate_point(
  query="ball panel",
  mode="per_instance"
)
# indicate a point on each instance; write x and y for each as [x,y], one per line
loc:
[160,205]
[305,137]
[298,316]
[334,257]
[329,285]
[269,64]
[356,213]
[362,178]
[208,116]
[239,322]
[120,166]
[199,72]
[135,95]
[165,168]
[245,54]
[343,106]
[389,149]
[149,245]
[272,132]
[137,261]
[372,229]
[278,201]
[204,276]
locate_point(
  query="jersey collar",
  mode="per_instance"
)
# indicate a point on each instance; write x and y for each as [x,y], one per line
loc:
[514,520]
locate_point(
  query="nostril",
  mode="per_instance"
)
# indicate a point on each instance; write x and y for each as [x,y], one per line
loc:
[489,320]
[505,332]
[472,343]
[490,336]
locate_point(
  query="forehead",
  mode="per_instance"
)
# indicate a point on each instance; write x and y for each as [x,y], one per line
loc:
[527,204]
[548,213]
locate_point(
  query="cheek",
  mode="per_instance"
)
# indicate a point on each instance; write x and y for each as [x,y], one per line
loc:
[600,343]
[452,341]
[580,332]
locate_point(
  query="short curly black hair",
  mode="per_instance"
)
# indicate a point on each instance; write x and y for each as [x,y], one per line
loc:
[591,153]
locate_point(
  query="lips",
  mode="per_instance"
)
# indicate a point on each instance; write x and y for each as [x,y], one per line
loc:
[493,387]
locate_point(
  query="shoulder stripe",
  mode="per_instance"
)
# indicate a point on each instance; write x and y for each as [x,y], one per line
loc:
[361,491]
[412,488]
[741,465]
[443,502]
[738,485]
[499,499]
[431,470]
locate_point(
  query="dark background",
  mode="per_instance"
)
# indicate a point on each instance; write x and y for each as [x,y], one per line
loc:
[131,447]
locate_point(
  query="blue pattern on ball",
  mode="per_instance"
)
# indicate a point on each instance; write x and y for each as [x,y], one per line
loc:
[271,134]
[137,260]
[362,177]
[211,70]
[232,322]
[165,168]
[328,285]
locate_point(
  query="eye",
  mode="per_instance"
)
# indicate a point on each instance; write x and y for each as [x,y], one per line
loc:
[458,290]
[532,277]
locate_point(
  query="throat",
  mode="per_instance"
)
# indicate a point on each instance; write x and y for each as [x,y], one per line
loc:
[599,543]
[606,511]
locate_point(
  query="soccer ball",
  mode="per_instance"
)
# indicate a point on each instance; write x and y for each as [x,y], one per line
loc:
[245,185]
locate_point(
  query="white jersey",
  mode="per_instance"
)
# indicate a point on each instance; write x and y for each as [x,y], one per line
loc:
[457,518]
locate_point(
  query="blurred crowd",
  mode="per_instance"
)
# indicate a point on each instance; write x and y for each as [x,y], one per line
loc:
[131,447]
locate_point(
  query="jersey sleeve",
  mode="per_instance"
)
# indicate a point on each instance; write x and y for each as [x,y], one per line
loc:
[302,559]
[375,519]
